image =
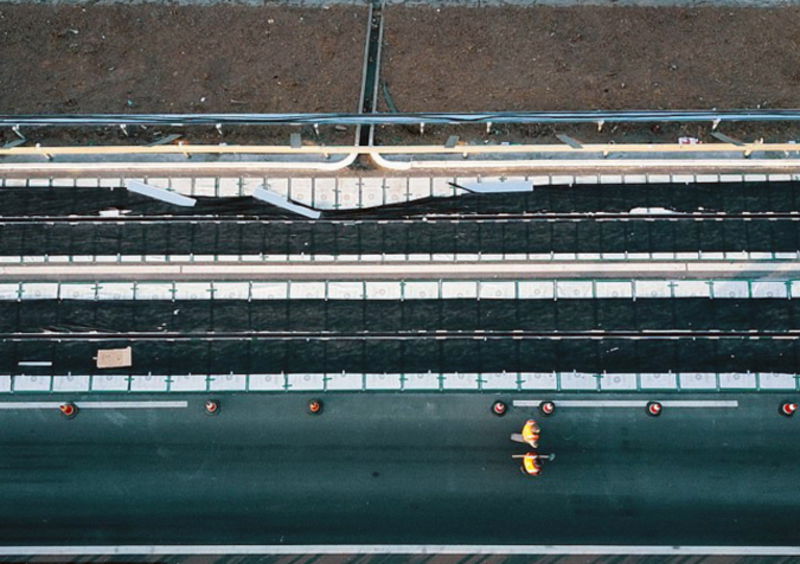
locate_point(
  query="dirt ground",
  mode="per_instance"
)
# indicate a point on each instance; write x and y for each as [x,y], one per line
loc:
[547,58]
[771,132]
[138,135]
[231,58]
[160,58]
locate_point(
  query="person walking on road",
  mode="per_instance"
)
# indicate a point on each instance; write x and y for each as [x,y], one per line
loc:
[531,433]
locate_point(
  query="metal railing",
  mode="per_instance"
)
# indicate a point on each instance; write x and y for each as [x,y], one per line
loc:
[535,117]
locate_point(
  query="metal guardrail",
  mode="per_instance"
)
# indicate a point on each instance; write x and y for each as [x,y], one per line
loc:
[180,120]
[736,152]
[594,148]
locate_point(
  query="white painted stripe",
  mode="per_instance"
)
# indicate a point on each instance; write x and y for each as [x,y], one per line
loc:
[583,403]
[132,404]
[687,403]
[30,405]
[96,404]
[629,403]
[502,549]
[35,363]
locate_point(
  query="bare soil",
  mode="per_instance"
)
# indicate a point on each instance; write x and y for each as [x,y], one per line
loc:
[232,58]
[770,132]
[140,135]
[551,58]
[163,58]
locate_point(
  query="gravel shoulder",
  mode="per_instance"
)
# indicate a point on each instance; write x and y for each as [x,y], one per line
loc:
[553,58]
[167,58]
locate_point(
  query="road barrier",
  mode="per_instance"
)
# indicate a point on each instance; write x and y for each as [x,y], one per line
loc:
[517,382]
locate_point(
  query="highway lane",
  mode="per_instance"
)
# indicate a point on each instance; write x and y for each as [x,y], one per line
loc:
[379,468]
[467,352]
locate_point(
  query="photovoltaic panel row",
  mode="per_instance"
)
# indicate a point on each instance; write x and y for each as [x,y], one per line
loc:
[188,316]
[583,198]
[430,237]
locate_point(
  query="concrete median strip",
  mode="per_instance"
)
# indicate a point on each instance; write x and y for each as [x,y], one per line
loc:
[401,270]
[427,549]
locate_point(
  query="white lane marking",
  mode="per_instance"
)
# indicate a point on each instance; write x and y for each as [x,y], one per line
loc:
[96,404]
[35,363]
[628,403]
[132,404]
[29,405]
[396,549]
[688,403]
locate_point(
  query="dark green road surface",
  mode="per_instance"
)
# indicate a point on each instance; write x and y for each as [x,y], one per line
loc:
[414,352]
[379,468]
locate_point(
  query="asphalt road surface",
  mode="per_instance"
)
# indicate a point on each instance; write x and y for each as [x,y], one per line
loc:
[380,468]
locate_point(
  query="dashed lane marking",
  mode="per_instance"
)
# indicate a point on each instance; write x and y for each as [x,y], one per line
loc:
[630,403]
[96,404]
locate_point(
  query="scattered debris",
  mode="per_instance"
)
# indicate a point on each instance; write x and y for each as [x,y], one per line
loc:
[114,358]
[493,187]
[159,193]
[387,97]
[266,195]
[113,212]
[166,140]
[14,143]
[295,140]
[652,211]
[726,138]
